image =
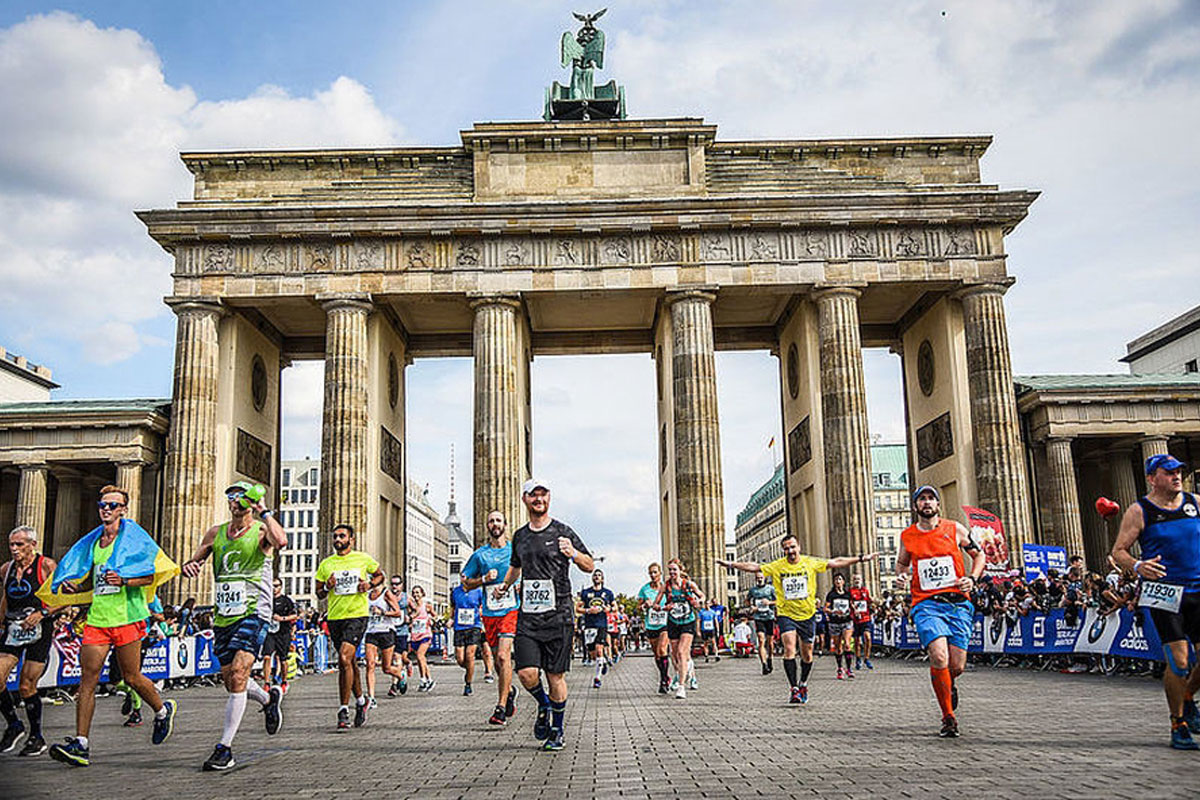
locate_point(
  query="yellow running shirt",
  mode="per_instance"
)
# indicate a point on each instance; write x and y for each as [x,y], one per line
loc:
[795,585]
[345,600]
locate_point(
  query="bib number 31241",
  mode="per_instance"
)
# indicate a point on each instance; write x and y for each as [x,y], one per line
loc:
[537,596]
[936,572]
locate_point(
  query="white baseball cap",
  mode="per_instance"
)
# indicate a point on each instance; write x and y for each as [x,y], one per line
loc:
[534,483]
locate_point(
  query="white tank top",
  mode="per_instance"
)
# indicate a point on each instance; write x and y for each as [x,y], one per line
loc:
[377,608]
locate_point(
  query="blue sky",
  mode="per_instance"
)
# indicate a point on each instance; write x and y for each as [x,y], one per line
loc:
[1094,104]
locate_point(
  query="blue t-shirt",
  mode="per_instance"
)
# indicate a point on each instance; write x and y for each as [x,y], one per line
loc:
[708,619]
[467,606]
[595,606]
[484,560]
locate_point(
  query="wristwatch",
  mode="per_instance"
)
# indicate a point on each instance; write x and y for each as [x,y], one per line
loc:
[266,512]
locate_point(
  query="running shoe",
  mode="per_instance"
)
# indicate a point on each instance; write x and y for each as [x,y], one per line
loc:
[343,718]
[135,719]
[953,696]
[949,727]
[595,683]
[127,704]
[392,690]
[360,714]
[402,686]
[284,687]
[692,683]
[488,678]
[681,693]
[869,664]
[858,663]
[541,725]
[72,753]
[1181,737]
[662,686]
[34,747]
[510,704]
[1191,715]
[165,724]
[770,666]
[432,683]
[466,690]
[273,711]
[221,759]
[12,735]
[498,717]
[841,674]
[554,741]
[674,684]
[803,694]
[795,695]
[849,674]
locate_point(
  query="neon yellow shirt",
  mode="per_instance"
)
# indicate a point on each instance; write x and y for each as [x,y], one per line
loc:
[795,585]
[113,606]
[345,601]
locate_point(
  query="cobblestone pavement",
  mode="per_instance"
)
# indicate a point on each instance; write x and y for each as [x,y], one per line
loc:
[1024,735]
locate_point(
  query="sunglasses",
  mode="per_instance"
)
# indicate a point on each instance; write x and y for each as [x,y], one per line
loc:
[231,496]
[109,505]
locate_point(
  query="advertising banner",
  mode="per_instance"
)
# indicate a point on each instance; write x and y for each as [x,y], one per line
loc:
[1040,558]
[988,532]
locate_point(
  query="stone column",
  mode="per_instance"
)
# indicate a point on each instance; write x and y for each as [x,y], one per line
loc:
[191,463]
[698,488]
[1152,446]
[1097,533]
[344,417]
[847,440]
[1064,494]
[999,464]
[67,524]
[1125,486]
[31,497]
[500,392]
[129,478]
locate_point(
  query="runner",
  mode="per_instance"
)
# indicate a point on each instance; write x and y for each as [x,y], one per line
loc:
[837,609]
[613,620]
[595,603]
[420,634]
[28,632]
[656,625]
[1166,523]
[708,631]
[486,569]
[794,578]
[242,551]
[762,598]
[345,578]
[400,625]
[279,637]
[681,597]
[941,591]
[622,632]
[380,643]
[121,567]
[465,606]
[860,614]
[543,551]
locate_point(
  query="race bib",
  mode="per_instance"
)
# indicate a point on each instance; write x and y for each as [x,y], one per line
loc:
[795,587]
[507,600]
[706,624]
[229,597]
[101,587]
[1163,596]
[20,637]
[537,596]
[465,617]
[420,628]
[345,581]
[860,606]
[656,617]
[274,626]
[762,604]
[589,635]
[936,573]
[680,610]
[841,605]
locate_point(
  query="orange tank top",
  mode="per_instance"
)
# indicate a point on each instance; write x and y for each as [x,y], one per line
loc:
[937,561]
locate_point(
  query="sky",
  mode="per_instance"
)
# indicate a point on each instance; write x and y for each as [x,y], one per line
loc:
[1094,104]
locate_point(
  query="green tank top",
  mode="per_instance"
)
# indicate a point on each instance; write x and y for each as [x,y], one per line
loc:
[241,577]
[113,606]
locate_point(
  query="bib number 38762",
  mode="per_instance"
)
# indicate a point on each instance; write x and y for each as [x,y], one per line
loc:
[537,596]
[936,572]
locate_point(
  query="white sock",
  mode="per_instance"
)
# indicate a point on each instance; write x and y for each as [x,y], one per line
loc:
[362,701]
[161,713]
[344,708]
[599,665]
[82,741]
[256,692]
[235,706]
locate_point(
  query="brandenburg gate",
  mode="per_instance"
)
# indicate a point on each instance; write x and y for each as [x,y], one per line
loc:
[612,236]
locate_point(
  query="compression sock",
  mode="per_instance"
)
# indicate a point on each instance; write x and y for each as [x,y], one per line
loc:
[805,668]
[33,710]
[7,708]
[235,706]
[557,712]
[789,666]
[257,693]
[942,685]
[137,700]
[599,665]
[662,662]
[539,694]
[838,658]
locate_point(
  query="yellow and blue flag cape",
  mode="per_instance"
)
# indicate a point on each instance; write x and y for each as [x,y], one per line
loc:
[135,555]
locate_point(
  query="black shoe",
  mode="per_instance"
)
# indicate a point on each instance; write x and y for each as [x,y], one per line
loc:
[343,719]
[510,705]
[554,741]
[541,725]
[221,759]
[949,727]
[360,714]
[72,753]
[498,717]
[164,725]
[12,735]
[953,697]
[466,690]
[765,670]
[34,747]
[135,719]
[662,686]
[770,666]
[273,711]
[127,705]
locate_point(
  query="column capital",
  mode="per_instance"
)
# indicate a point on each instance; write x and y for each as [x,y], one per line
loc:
[999,287]
[1058,438]
[1154,439]
[34,466]
[197,305]
[478,300]
[708,294]
[130,462]
[825,291]
[336,301]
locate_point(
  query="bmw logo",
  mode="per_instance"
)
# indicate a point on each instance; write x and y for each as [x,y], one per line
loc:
[1097,630]
[182,654]
[996,629]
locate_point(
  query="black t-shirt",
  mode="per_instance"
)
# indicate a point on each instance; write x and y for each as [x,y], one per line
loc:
[839,605]
[547,602]
[284,606]
[595,606]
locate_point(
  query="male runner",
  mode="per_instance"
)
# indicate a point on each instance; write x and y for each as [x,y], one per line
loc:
[28,631]
[345,578]
[400,625]
[595,603]
[118,559]
[860,614]
[279,637]
[656,625]
[242,551]
[795,580]
[465,606]
[762,599]
[543,551]
[1166,523]
[486,568]
[708,631]
[941,589]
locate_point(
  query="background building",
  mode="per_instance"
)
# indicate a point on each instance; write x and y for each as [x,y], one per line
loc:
[426,547]
[733,597]
[22,382]
[760,526]
[459,543]
[299,508]
[1172,347]
[889,496]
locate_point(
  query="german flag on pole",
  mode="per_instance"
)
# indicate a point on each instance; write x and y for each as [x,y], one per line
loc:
[135,555]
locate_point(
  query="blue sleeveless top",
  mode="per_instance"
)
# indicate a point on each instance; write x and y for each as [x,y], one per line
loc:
[1173,534]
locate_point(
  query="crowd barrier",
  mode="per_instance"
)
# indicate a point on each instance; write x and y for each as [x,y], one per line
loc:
[1123,633]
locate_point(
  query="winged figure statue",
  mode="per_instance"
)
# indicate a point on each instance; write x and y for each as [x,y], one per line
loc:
[583,52]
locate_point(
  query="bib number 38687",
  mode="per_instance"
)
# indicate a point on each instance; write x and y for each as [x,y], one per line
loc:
[936,572]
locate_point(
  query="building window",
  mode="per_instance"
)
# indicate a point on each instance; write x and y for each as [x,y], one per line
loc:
[287,476]
[1191,366]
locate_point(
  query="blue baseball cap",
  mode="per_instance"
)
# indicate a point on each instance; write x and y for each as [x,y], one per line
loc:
[1163,461]
[926,488]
